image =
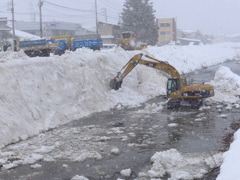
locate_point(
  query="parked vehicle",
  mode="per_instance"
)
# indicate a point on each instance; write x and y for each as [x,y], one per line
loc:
[128,41]
[63,43]
[67,43]
[34,48]
[91,44]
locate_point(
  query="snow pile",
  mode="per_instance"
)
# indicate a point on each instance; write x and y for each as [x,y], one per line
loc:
[181,166]
[230,167]
[126,172]
[189,58]
[41,93]
[8,56]
[44,92]
[77,177]
[226,85]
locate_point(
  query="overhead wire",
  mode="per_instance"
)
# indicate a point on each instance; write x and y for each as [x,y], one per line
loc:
[110,6]
[67,7]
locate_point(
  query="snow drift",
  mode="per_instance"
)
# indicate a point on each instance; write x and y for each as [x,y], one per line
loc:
[43,92]
[226,84]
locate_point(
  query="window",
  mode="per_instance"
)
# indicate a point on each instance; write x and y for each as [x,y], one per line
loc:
[184,82]
[165,24]
[162,33]
[126,35]
[162,24]
[173,85]
[165,33]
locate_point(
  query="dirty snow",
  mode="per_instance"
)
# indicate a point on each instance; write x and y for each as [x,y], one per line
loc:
[181,166]
[40,93]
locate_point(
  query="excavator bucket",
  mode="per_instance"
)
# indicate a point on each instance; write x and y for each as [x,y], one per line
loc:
[114,84]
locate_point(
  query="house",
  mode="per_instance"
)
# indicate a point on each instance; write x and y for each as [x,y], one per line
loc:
[110,33]
[166,30]
[4,30]
[187,37]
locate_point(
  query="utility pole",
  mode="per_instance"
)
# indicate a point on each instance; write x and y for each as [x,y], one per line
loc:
[13,27]
[96,18]
[40,10]
[104,11]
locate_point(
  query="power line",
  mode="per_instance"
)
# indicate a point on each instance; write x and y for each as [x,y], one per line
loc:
[14,13]
[110,6]
[60,12]
[67,7]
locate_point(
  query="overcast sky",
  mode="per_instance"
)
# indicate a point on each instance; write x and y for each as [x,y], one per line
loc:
[207,16]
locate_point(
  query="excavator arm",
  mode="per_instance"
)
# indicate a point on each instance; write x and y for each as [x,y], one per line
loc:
[116,82]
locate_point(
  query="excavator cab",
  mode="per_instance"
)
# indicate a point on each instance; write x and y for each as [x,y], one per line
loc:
[173,85]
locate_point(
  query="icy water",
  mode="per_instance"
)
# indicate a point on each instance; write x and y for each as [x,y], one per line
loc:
[122,138]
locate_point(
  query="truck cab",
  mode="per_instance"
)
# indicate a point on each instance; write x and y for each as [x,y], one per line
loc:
[62,46]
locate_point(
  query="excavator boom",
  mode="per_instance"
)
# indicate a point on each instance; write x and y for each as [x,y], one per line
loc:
[137,59]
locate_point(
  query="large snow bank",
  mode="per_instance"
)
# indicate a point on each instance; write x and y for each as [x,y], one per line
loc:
[226,85]
[188,58]
[230,167]
[41,93]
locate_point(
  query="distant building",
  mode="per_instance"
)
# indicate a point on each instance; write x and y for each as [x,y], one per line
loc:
[4,30]
[166,30]
[110,33]
[233,38]
[188,37]
[55,28]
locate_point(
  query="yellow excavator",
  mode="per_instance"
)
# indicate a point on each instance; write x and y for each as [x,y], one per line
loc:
[128,41]
[178,88]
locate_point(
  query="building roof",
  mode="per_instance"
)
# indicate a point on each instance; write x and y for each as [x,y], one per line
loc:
[190,40]
[4,28]
[31,26]
[108,23]
[107,36]
[3,19]
[24,35]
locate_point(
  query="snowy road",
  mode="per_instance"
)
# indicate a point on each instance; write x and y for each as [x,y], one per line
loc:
[103,144]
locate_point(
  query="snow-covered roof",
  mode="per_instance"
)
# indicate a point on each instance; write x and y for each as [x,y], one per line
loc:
[4,28]
[25,35]
[48,25]
[107,36]
[113,24]
[233,35]
[189,31]
[188,39]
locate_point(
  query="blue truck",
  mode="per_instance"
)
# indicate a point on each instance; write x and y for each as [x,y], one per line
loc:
[34,48]
[91,44]
[66,43]
[61,46]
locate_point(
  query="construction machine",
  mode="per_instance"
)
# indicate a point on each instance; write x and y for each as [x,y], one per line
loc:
[179,90]
[128,41]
